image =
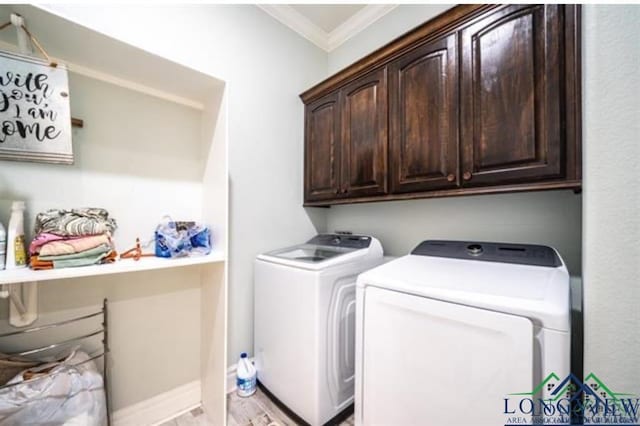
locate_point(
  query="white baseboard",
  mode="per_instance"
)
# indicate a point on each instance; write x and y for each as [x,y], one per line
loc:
[161,408]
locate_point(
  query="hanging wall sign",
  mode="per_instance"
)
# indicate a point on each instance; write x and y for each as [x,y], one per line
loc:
[35,118]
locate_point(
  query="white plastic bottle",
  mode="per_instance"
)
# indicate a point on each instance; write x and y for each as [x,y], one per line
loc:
[3,247]
[16,251]
[246,372]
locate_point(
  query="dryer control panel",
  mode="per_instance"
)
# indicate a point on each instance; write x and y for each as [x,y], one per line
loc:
[524,254]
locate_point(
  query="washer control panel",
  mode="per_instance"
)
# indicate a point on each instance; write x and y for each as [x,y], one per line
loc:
[523,254]
[341,240]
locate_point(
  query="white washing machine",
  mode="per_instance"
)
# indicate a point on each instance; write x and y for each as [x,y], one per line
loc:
[304,336]
[446,333]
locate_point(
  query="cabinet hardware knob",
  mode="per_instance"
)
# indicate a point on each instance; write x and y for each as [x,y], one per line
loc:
[466,176]
[451,177]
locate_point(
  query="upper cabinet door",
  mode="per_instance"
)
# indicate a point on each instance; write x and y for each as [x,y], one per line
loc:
[364,135]
[322,148]
[423,93]
[511,96]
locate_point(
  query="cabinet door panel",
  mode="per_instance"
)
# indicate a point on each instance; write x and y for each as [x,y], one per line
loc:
[423,89]
[511,94]
[322,148]
[364,135]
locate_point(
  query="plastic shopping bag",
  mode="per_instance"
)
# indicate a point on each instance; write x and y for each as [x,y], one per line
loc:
[180,239]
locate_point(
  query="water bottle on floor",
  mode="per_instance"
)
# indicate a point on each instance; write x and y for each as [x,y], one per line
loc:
[246,373]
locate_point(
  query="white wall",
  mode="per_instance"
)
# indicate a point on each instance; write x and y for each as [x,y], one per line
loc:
[266,66]
[123,131]
[541,218]
[397,22]
[551,218]
[611,68]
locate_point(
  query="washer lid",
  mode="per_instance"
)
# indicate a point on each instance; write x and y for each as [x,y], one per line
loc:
[537,292]
[325,250]
[310,253]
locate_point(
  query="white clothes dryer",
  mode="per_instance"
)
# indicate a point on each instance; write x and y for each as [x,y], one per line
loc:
[445,333]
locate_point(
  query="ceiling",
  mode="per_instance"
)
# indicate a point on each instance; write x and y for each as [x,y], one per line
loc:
[328,16]
[327,25]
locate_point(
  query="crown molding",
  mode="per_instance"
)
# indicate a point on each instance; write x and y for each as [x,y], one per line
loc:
[356,23]
[298,23]
[327,41]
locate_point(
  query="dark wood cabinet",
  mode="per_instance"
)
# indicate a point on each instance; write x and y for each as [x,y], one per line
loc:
[481,99]
[322,148]
[423,91]
[364,135]
[346,141]
[511,96]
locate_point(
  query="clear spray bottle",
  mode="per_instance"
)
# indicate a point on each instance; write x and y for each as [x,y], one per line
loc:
[16,250]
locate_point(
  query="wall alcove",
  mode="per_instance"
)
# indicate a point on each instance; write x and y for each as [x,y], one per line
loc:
[154,143]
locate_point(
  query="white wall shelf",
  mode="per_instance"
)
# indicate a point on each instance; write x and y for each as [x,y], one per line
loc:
[118,267]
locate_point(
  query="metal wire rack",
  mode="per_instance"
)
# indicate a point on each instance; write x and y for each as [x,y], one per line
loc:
[102,330]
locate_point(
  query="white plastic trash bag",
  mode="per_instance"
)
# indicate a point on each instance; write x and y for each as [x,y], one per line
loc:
[70,394]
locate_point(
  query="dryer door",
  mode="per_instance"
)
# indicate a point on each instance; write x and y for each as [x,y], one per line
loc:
[427,362]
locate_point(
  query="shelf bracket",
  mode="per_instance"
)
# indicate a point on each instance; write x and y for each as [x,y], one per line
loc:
[23,303]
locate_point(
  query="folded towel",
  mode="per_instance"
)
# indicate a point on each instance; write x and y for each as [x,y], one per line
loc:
[92,252]
[83,261]
[75,222]
[74,245]
[45,238]
[37,264]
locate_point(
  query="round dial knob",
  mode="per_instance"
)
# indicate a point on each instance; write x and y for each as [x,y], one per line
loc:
[474,249]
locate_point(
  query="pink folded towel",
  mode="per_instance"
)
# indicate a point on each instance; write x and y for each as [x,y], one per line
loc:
[75,245]
[44,238]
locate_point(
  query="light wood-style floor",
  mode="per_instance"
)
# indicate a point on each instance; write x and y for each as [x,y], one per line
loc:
[194,417]
[257,410]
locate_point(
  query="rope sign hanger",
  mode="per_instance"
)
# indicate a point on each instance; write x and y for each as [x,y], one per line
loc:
[18,21]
